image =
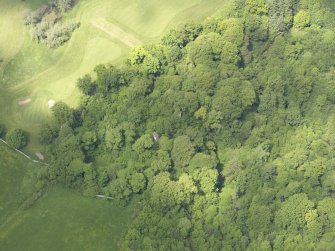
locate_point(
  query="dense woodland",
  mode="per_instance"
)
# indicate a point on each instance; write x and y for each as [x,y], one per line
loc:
[223,132]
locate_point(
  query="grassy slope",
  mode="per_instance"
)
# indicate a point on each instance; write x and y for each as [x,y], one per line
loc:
[152,18]
[65,220]
[15,179]
[147,18]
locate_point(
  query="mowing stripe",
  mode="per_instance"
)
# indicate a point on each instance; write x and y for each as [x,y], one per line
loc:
[115,32]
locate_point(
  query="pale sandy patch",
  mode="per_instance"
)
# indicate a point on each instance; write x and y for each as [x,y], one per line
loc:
[39,156]
[116,32]
[51,103]
[24,102]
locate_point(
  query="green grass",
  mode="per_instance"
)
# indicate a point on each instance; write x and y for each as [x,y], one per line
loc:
[16,179]
[65,220]
[147,18]
[200,11]
[152,18]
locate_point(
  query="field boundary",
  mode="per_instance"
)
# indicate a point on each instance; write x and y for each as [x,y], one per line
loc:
[22,153]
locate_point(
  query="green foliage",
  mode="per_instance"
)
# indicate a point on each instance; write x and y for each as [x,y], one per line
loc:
[182,152]
[45,25]
[302,20]
[144,60]
[34,17]
[232,30]
[259,219]
[47,134]
[62,5]
[89,140]
[59,33]
[17,138]
[183,36]
[207,179]
[243,105]
[161,189]
[137,182]
[257,7]
[294,213]
[161,162]
[212,47]
[86,85]
[145,142]
[63,114]
[281,14]
[114,138]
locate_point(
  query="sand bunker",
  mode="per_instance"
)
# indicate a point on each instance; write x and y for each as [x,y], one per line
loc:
[24,102]
[39,156]
[51,103]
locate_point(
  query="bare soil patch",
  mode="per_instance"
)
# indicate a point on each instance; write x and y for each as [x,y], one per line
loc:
[24,101]
[39,155]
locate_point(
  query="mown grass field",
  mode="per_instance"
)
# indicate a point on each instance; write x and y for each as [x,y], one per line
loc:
[65,220]
[16,179]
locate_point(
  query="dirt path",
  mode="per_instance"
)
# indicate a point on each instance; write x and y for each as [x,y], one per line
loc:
[115,32]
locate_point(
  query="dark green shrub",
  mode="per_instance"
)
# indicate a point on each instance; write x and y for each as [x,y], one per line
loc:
[17,138]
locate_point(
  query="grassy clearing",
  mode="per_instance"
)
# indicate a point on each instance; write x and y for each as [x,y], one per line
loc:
[147,18]
[65,220]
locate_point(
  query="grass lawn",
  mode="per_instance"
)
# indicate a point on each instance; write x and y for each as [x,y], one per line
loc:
[147,18]
[65,220]
[16,179]
[152,18]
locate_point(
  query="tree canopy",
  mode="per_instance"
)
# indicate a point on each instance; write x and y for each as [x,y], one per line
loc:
[243,104]
[17,138]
